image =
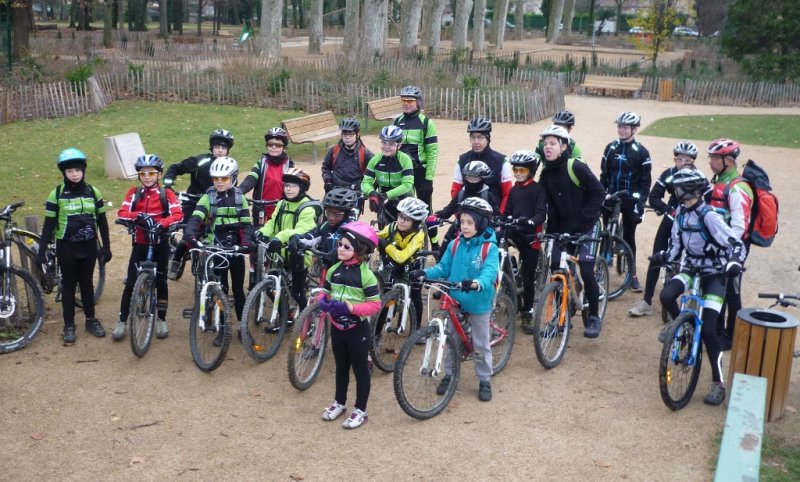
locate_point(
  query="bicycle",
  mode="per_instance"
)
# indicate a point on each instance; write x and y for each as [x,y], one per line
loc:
[511,277]
[615,250]
[419,367]
[143,307]
[176,235]
[562,296]
[22,305]
[681,353]
[785,300]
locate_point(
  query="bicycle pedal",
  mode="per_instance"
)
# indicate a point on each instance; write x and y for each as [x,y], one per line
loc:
[187,313]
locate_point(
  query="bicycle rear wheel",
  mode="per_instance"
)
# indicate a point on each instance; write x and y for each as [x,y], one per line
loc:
[509,288]
[310,338]
[263,332]
[502,330]
[21,308]
[677,373]
[210,344]
[415,384]
[388,337]
[142,318]
[542,269]
[601,275]
[549,336]
[621,264]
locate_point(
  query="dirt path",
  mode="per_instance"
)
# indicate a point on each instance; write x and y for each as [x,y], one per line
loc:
[94,411]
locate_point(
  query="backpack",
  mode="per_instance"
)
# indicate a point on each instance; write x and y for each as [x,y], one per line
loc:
[313,203]
[571,171]
[362,156]
[162,195]
[764,215]
[701,228]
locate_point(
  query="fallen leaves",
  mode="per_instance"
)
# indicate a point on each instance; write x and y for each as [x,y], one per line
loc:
[601,463]
[136,460]
[38,436]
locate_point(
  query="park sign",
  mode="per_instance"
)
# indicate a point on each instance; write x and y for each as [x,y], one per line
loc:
[121,152]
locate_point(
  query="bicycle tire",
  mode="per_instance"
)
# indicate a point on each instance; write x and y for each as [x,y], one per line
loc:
[306,355]
[542,272]
[261,335]
[414,385]
[206,356]
[142,317]
[509,288]
[550,339]
[21,318]
[502,332]
[615,248]
[601,276]
[676,380]
[387,343]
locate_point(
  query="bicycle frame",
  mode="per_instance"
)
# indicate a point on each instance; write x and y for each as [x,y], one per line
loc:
[207,254]
[693,303]
[451,311]
[566,274]
[279,277]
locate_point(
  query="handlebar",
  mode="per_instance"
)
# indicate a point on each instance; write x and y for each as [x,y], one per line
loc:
[781,298]
[8,210]
[565,238]
[262,202]
[619,195]
[443,283]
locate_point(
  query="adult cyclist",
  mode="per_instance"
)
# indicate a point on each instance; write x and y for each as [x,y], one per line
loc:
[419,142]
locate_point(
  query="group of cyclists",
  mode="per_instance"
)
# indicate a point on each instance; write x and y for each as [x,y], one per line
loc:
[396,183]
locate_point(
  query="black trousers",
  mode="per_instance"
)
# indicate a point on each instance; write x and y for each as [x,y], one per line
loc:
[77,262]
[351,349]
[237,270]
[660,243]
[161,257]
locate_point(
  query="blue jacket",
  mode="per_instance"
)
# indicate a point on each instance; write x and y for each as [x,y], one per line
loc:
[465,264]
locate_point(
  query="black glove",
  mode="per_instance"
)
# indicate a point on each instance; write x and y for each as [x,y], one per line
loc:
[328,186]
[418,274]
[523,221]
[274,245]
[383,242]
[424,186]
[142,219]
[41,256]
[733,269]
[736,250]
[466,285]
[376,200]
[260,236]
[245,248]
[659,257]
[294,244]
[638,212]
[389,265]
[105,254]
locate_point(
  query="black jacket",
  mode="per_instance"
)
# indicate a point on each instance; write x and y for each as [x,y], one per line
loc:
[626,166]
[198,167]
[570,208]
[660,188]
[495,161]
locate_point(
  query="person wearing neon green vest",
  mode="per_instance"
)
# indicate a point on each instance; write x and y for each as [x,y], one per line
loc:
[419,142]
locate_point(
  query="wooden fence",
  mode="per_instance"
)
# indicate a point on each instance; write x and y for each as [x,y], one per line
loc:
[43,101]
[751,94]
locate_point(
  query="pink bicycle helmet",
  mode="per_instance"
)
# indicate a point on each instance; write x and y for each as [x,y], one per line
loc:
[724,147]
[363,234]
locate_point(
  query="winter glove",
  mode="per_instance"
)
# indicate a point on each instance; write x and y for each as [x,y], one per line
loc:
[245,248]
[294,245]
[274,245]
[733,269]
[659,257]
[389,265]
[337,309]
[466,285]
[324,304]
[432,220]
[142,219]
[418,274]
[736,251]
[523,221]
[261,237]
[328,186]
[105,254]
[376,201]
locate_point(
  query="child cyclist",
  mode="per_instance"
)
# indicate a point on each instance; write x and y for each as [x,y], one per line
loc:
[351,296]
[295,215]
[400,241]
[476,275]
[527,209]
[265,177]
[344,163]
[339,204]
[708,242]
[75,215]
[389,176]
[223,215]
[150,205]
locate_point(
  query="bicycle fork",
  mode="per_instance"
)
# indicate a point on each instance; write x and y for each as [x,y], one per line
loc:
[442,339]
[217,311]
[404,316]
[276,303]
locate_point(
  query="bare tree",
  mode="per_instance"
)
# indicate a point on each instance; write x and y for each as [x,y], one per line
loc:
[478,35]
[352,13]
[163,19]
[499,22]
[21,24]
[569,14]
[432,24]
[315,34]
[410,14]
[619,4]
[519,19]
[270,31]
[556,12]
[374,22]
[461,23]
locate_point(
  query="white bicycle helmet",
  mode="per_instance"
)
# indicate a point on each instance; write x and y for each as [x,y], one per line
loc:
[413,208]
[478,205]
[629,119]
[476,169]
[391,133]
[686,148]
[224,166]
[557,131]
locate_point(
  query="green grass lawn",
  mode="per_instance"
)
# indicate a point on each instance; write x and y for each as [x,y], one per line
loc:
[780,461]
[765,130]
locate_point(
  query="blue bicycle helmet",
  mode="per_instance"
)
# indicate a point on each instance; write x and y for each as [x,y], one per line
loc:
[70,157]
[149,160]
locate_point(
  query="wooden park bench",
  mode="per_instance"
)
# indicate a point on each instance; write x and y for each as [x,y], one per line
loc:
[606,83]
[383,109]
[314,128]
[740,449]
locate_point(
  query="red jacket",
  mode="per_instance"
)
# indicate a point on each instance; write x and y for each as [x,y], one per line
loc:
[150,203]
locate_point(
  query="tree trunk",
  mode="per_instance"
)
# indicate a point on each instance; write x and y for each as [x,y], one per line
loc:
[270,32]
[351,28]
[499,23]
[519,20]
[569,14]
[478,34]
[163,19]
[410,13]
[374,21]
[107,25]
[432,25]
[556,12]
[199,17]
[315,34]
[20,28]
[461,23]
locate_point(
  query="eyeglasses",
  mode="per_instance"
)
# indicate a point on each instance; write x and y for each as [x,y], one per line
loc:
[477,137]
[148,174]
[403,217]
[408,101]
[348,133]
[519,169]
[333,214]
[345,247]
[278,145]
[388,143]
[221,178]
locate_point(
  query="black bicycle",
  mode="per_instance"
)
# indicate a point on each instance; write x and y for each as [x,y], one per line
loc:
[614,249]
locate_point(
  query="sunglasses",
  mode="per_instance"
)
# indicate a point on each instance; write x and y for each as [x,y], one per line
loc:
[408,101]
[345,247]
[520,170]
[278,145]
[388,143]
[144,174]
[221,178]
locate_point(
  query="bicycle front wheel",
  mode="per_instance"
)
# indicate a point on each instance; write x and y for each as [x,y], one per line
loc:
[142,318]
[621,264]
[210,342]
[601,274]
[542,271]
[309,340]
[509,288]
[416,384]
[502,330]
[550,334]
[264,321]
[678,371]
[21,308]
[389,335]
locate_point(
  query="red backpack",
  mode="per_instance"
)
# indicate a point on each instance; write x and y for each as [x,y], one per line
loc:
[362,156]
[764,215]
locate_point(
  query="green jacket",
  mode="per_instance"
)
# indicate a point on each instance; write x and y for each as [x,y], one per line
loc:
[420,141]
[231,224]
[282,224]
[75,213]
[393,176]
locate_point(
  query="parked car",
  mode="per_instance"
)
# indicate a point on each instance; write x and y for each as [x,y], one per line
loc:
[637,30]
[685,32]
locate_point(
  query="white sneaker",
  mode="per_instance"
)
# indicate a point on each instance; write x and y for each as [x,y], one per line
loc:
[119,331]
[641,308]
[334,411]
[356,419]
[162,329]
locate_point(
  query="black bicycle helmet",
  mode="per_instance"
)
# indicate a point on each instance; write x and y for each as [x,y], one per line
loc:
[149,160]
[564,118]
[688,183]
[340,198]
[476,169]
[629,119]
[685,148]
[350,124]
[527,159]
[480,124]
[277,133]
[220,136]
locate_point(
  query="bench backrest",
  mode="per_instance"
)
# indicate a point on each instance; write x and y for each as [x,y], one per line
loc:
[609,80]
[387,108]
[314,125]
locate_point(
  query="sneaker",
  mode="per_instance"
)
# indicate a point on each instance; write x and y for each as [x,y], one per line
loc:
[69,334]
[94,327]
[527,322]
[716,394]
[635,286]
[662,335]
[641,308]
[334,411]
[443,385]
[593,327]
[174,267]
[162,329]
[484,391]
[356,419]
[119,331]
[218,339]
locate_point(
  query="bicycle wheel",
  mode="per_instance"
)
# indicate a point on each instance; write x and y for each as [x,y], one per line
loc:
[549,336]
[264,323]
[502,330]
[619,257]
[210,344]
[677,372]
[142,318]
[21,308]
[509,288]
[310,334]
[542,271]
[388,334]
[601,275]
[415,382]
[665,318]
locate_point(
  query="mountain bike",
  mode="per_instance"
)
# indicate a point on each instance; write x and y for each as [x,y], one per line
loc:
[176,235]
[617,253]
[22,305]
[681,353]
[562,297]
[785,300]
[419,368]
